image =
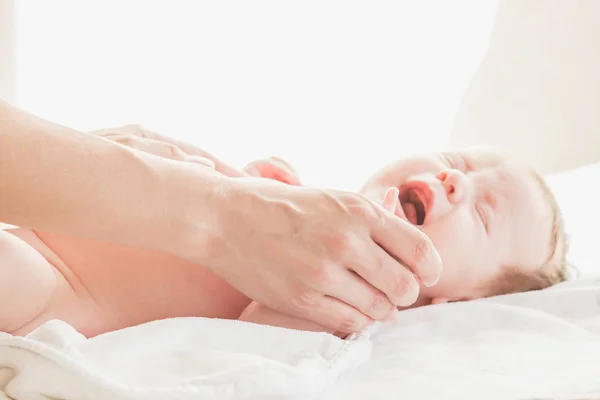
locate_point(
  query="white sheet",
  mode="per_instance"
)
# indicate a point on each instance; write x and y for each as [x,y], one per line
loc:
[525,346]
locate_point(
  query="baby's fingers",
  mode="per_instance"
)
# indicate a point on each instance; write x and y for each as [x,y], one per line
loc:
[273,168]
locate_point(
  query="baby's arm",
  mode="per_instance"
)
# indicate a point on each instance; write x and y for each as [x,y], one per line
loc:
[259,314]
[27,283]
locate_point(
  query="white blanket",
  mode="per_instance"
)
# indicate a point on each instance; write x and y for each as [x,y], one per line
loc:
[186,358]
[538,345]
[533,345]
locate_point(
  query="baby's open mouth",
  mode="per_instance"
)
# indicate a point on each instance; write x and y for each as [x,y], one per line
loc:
[415,198]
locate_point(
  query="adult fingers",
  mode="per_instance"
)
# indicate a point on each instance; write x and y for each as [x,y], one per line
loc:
[410,247]
[356,292]
[389,276]
[185,147]
[158,148]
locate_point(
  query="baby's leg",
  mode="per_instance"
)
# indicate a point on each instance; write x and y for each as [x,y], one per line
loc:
[27,283]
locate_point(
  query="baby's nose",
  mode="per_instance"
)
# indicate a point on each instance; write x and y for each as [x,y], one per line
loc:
[455,185]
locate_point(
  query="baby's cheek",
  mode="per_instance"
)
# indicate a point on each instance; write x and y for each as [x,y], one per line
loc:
[453,236]
[448,242]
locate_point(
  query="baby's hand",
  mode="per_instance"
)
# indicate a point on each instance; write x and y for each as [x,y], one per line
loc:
[273,168]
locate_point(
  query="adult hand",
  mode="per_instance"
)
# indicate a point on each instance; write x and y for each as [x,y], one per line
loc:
[331,257]
[139,138]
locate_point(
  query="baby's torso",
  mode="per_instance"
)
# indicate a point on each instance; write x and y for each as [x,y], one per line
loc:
[103,287]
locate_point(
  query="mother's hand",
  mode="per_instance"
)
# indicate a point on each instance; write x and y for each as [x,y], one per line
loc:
[139,138]
[334,258]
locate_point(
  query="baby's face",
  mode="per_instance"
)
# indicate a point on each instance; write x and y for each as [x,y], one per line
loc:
[481,212]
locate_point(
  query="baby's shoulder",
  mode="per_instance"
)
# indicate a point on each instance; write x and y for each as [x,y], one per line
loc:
[27,281]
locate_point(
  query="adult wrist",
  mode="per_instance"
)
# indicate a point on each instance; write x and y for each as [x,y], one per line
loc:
[204,217]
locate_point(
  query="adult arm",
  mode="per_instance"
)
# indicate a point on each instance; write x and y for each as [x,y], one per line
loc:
[331,257]
[56,179]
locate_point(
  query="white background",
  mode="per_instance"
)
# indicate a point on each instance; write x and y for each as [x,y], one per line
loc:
[337,88]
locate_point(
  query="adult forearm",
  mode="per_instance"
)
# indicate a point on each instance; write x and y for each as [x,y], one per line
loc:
[57,179]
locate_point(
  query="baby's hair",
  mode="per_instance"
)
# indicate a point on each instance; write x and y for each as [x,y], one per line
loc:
[553,271]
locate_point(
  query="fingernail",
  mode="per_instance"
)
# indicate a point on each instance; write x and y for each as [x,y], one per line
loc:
[430,282]
[410,296]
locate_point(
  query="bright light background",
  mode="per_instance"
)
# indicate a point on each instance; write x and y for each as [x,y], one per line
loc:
[336,88]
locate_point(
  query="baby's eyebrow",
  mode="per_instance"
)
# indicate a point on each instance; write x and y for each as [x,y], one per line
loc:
[496,192]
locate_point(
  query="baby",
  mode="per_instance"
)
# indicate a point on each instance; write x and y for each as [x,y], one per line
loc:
[494,223]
